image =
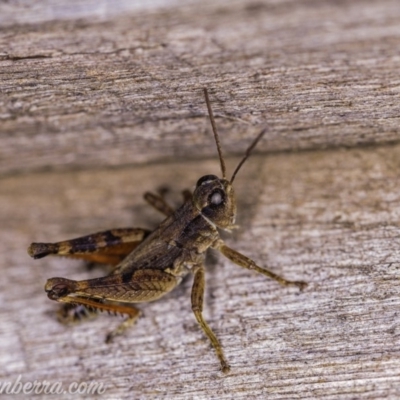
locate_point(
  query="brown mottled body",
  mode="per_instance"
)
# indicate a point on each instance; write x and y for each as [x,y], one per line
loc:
[149,265]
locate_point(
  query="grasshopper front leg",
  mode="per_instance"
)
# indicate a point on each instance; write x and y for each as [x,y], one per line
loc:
[197,307]
[245,262]
[159,203]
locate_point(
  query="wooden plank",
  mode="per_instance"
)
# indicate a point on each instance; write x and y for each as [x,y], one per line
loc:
[330,218]
[80,94]
[116,89]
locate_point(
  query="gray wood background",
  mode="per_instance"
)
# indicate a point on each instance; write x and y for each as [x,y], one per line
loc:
[102,100]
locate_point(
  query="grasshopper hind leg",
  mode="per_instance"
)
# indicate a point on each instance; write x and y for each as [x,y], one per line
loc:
[82,309]
[107,247]
[74,308]
[113,293]
[69,314]
[121,328]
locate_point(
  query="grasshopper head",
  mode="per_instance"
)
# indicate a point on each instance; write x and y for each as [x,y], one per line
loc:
[215,199]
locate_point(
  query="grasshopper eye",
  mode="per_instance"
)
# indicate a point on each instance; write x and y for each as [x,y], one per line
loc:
[216,197]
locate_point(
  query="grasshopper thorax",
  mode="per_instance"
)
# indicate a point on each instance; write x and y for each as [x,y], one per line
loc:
[215,199]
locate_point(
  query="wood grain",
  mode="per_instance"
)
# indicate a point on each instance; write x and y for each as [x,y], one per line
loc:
[125,88]
[84,89]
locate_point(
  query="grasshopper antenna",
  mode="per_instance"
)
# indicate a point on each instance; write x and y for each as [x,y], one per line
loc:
[210,113]
[247,154]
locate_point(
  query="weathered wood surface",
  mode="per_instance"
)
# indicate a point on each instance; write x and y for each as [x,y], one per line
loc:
[81,94]
[112,90]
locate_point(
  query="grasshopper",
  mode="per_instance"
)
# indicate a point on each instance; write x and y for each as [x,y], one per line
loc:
[147,265]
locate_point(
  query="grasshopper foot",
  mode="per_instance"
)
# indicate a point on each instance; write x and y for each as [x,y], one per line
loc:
[300,284]
[124,326]
[225,367]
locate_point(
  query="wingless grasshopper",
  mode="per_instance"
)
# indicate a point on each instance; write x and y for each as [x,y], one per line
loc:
[147,265]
